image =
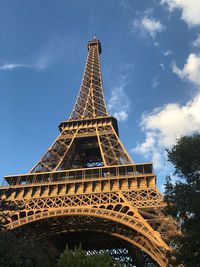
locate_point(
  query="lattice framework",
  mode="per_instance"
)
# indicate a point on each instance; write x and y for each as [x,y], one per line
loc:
[87,176]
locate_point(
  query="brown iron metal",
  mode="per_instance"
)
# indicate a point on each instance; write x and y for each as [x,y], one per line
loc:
[88,174]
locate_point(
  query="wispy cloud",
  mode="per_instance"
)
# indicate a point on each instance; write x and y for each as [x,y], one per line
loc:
[167,53]
[155,82]
[11,66]
[125,4]
[146,24]
[121,116]
[118,103]
[196,42]
[41,63]
[162,66]
[56,49]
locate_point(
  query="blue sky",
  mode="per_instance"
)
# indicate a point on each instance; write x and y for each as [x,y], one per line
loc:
[150,64]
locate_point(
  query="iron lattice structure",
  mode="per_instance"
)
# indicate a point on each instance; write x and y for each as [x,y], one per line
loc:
[87,189]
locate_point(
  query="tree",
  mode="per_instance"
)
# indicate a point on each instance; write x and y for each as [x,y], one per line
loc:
[26,252]
[183,200]
[79,258]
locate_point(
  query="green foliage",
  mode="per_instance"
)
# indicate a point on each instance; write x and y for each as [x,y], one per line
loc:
[78,258]
[183,200]
[185,156]
[25,253]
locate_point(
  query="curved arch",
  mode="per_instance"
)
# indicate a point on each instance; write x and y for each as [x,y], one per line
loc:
[160,260]
[131,222]
[144,245]
[124,233]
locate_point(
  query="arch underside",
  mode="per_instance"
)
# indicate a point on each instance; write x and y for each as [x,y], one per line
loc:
[95,236]
[140,245]
[144,228]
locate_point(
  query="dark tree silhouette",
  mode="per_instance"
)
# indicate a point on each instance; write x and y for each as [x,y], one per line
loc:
[25,252]
[183,200]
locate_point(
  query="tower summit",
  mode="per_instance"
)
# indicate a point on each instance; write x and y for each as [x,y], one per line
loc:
[90,102]
[86,188]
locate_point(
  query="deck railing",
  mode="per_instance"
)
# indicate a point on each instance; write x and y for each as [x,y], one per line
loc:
[80,174]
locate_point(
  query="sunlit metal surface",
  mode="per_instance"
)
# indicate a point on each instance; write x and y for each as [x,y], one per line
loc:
[87,183]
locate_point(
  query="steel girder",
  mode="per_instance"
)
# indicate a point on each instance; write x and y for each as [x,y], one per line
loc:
[87,182]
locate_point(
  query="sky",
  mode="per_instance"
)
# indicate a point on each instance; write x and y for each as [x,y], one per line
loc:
[151,74]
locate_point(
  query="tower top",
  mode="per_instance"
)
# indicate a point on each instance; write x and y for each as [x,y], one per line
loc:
[95,42]
[90,103]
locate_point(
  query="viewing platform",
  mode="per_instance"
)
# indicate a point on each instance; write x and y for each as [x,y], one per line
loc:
[133,170]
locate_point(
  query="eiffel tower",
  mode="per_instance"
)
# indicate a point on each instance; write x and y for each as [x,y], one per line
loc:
[86,188]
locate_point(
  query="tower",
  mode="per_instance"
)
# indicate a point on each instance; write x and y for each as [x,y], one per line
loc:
[87,189]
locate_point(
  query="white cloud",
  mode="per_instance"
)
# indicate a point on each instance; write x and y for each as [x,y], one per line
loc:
[155,82]
[162,66]
[147,25]
[164,125]
[41,64]
[121,116]
[152,26]
[191,69]
[11,66]
[156,44]
[118,103]
[167,53]
[196,42]
[190,10]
